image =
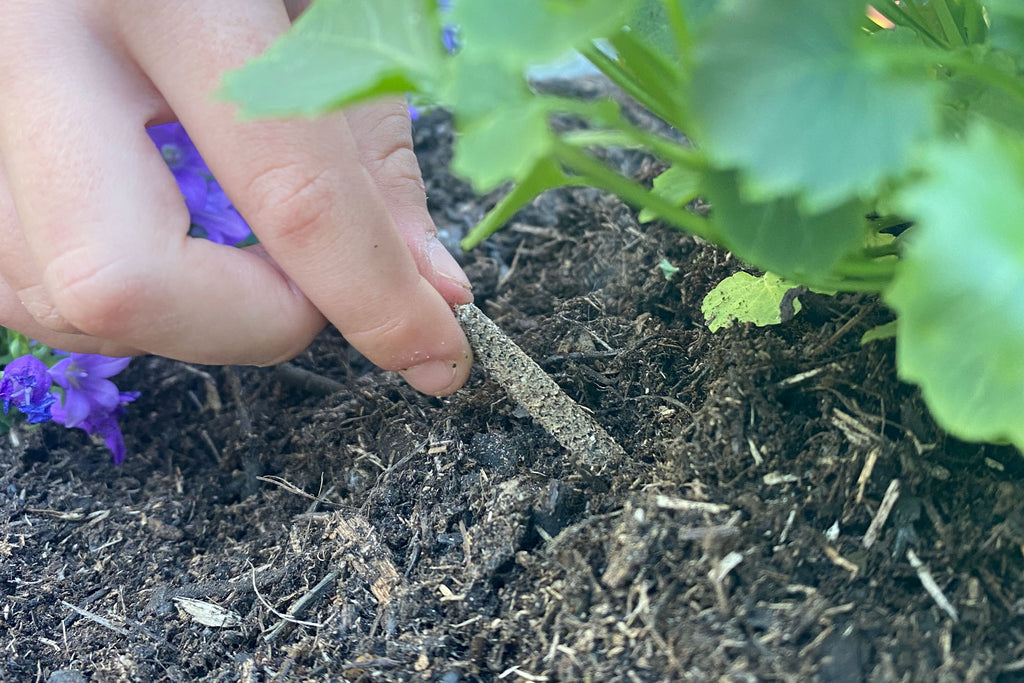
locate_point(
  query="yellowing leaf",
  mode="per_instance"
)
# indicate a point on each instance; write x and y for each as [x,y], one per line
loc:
[748,299]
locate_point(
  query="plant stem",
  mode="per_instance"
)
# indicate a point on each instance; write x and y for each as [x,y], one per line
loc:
[626,134]
[949,25]
[598,175]
[617,75]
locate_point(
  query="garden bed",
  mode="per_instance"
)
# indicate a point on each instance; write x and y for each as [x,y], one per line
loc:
[322,521]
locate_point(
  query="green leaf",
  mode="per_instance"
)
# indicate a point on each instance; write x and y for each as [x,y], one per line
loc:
[650,21]
[339,52]
[777,236]
[667,269]
[504,145]
[981,92]
[960,290]
[475,88]
[528,32]
[1007,17]
[745,298]
[502,125]
[790,93]
[698,11]
[879,332]
[679,185]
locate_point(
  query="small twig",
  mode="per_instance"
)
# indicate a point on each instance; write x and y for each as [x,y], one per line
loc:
[865,473]
[375,663]
[213,401]
[892,494]
[106,623]
[306,381]
[928,581]
[281,615]
[670,503]
[300,605]
[529,386]
[92,616]
[235,387]
[525,675]
[318,499]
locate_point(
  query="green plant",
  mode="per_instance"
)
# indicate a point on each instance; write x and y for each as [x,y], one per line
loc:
[815,132]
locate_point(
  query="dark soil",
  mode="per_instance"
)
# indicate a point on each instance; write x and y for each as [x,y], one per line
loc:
[336,525]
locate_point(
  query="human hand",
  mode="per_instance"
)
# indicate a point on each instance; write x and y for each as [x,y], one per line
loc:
[96,256]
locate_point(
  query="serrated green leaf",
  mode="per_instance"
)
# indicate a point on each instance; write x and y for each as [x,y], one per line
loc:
[744,298]
[777,236]
[475,88]
[958,291]
[503,145]
[502,125]
[338,52]
[526,32]
[789,93]
[969,97]
[678,185]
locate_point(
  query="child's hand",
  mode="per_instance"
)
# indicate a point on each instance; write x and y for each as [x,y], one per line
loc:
[95,255]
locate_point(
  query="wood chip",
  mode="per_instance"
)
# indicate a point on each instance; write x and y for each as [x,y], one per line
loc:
[670,503]
[840,561]
[208,614]
[892,494]
[865,473]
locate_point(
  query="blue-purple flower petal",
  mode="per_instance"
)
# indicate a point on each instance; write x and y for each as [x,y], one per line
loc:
[209,208]
[26,383]
[220,220]
[91,401]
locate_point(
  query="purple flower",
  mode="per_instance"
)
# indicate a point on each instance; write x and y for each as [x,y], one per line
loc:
[91,401]
[104,425]
[26,383]
[182,157]
[449,32]
[211,212]
[450,38]
[219,221]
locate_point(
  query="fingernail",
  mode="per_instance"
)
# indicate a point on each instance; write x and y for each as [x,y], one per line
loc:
[434,377]
[445,264]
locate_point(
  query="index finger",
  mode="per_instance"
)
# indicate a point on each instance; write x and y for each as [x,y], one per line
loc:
[300,185]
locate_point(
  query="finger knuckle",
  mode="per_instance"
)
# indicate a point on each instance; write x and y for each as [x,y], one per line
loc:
[42,310]
[99,294]
[292,202]
[397,169]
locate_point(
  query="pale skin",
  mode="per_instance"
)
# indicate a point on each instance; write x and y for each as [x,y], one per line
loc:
[95,256]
